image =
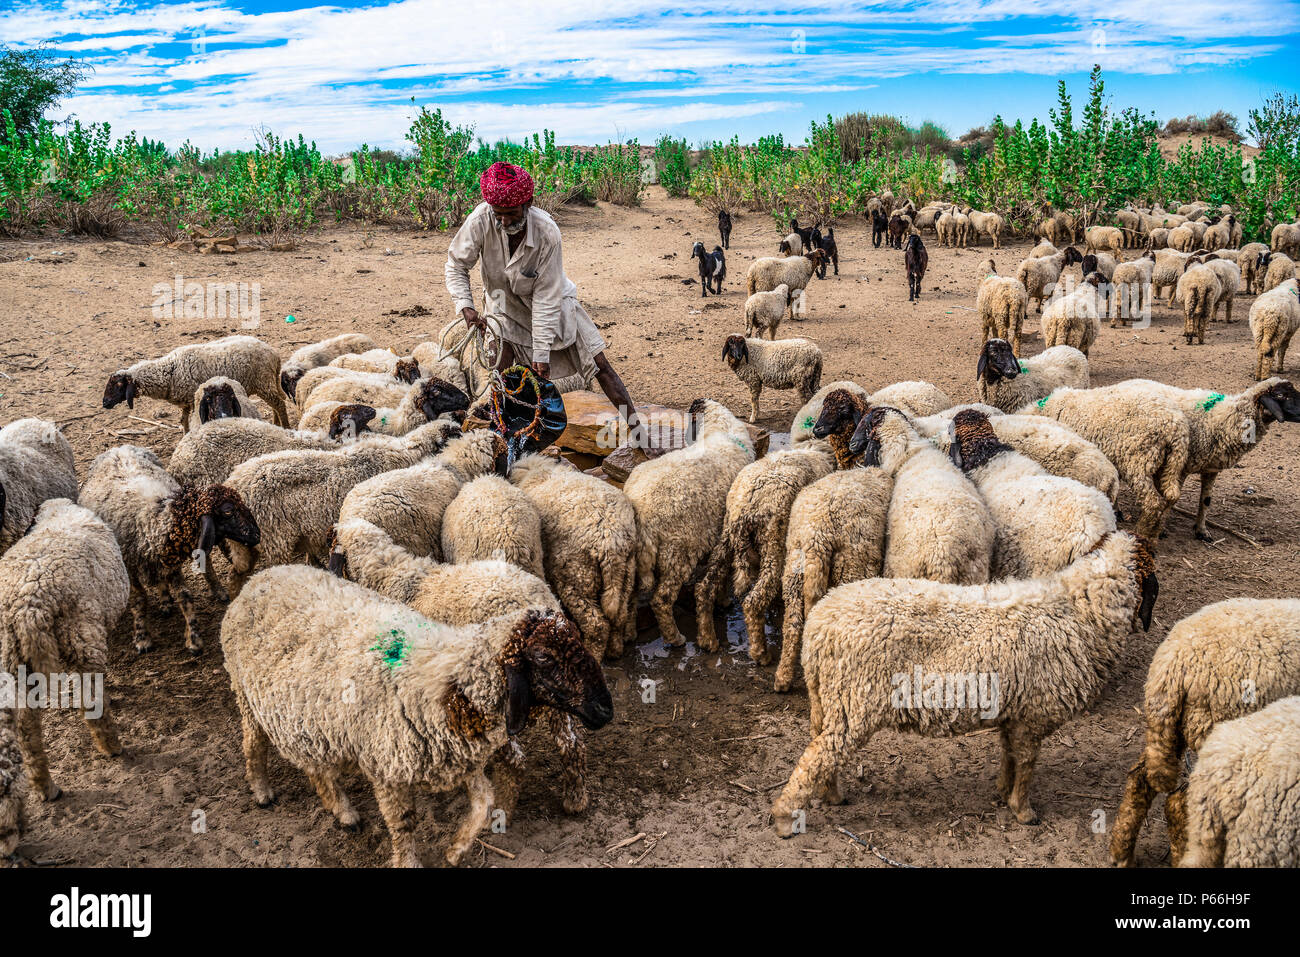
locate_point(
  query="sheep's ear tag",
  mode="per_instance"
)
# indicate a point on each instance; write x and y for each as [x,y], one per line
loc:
[393,648]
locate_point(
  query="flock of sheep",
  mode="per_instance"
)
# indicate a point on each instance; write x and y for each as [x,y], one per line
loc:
[406,601]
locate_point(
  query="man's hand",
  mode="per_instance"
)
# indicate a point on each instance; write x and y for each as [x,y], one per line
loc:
[472,318]
[543,369]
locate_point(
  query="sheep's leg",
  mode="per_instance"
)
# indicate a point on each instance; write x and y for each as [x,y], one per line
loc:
[755,390]
[479,789]
[584,609]
[1263,362]
[763,593]
[667,587]
[569,740]
[1176,824]
[32,743]
[102,728]
[813,775]
[256,746]
[333,798]
[706,595]
[1133,807]
[139,606]
[1281,355]
[507,771]
[1007,770]
[181,595]
[1024,751]
[186,412]
[1203,505]
[1151,507]
[397,805]
[791,630]
[276,402]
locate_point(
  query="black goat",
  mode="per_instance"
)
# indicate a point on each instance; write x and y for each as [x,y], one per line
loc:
[724,228]
[713,269]
[915,259]
[879,224]
[831,250]
[805,233]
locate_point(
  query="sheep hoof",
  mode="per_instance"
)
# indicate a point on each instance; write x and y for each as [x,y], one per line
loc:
[141,649]
[265,800]
[194,650]
[52,792]
[1028,816]
[576,803]
[351,824]
[1204,536]
[782,684]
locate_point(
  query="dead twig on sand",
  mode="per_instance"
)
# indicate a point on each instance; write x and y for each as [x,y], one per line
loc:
[872,848]
[625,842]
[495,850]
[1220,528]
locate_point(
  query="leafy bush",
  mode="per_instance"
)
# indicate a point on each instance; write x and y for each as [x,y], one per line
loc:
[674,164]
[613,172]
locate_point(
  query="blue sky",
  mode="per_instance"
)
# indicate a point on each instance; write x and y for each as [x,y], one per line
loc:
[214,71]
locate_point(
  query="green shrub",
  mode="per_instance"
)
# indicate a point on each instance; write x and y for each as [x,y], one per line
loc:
[672,158]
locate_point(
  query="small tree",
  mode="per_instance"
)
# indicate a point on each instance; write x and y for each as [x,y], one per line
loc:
[32,82]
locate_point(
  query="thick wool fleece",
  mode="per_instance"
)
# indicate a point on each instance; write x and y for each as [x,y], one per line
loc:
[319,354]
[207,456]
[490,518]
[1040,375]
[65,587]
[36,464]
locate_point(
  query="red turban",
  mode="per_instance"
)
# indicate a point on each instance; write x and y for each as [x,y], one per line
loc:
[506,185]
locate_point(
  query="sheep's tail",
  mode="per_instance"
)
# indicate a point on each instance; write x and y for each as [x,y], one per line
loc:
[740,535]
[615,568]
[1169,477]
[750,284]
[1164,745]
[816,577]
[33,631]
[647,556]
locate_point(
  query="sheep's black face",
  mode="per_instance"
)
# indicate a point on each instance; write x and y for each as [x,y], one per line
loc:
[973,441]
[349,421]
[735,351]
[1281,402]
[407,370]
[866,440]
[546,663]
[997,361]
[121,388]
[697,251]
[840,413]
[218,402]
[1072,255]
[229,516]
[289,383]
[440,398]
[338,559]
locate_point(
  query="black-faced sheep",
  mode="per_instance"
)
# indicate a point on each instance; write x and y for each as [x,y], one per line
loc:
[1039,276]
[1008,383]
[783,364]
[319,354]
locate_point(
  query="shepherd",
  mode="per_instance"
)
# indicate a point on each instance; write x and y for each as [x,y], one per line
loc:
[525,290]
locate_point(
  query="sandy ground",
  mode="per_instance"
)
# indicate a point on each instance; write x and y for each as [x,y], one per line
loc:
[695,770]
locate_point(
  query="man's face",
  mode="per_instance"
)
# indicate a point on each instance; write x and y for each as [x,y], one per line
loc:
[512,219]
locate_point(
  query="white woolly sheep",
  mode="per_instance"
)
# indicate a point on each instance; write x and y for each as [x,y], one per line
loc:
[794,272]
[1074,319]
[1274,319]
[1219,235]
[1052,643]
[912,398]
[1285,238]
[175,376]
[1280,269]
[1040,275]
[986,224]
[1001,302]
[1243,797]
[1199,289]
[1008,383]
[1229,274]
[426,401]
[836,535]
[490,518]
[680,499]
[13,784]
[783,364]
[65,587]
[36,464]
[221,398]
[160,526]
[765,310]
[939,527]
[350,389]
[371,360]
[1043,249]
[589,543]
[1252,277]
[318,354]
[751,549]
[1132,283]
[1103,239]
[407,372]
[208,455]
[1226,660]
[1042,522]
[440,701]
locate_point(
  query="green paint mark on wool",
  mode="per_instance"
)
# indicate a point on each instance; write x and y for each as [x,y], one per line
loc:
[741,443]
[1023,367]
[1211,400]
[392,648]
[1042,403]
[808,422]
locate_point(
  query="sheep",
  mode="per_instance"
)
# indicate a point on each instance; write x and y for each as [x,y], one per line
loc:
[440,700]
[915,261]
[900,225]
[939,527]
[425,401]
[1285,238]
[1224,661]
[1145,435]
[1280,269]
[808,235]
[1103,263]
[1248,261]
[1158,238]
[1052,643]
[372,360]
[752,544]
[1074,319]
[765,310]
[221,398]
[1038,276]
[1184,238]
[589,541]
[1001,302]
[65,587]
[319,354]
[1042,522]
[795,272]
[680,499]
[490,518]
[175,376]
[406,372]
[879,227]
[1058,228]
[840,414]
[1200,290]
[1169,265]
[832,251]
[801,428]
[791,245]
[1042,249]
[36,464]
[947,228]
[1243,797]
[836,535]
[713,269]
[1129,222]
[1132,284]
[295,496]
[1053,446]
[408,504]
[1274,319]
[160,525]
[1223,428]
[433,364]
[350,390]
[1103,239]
[1219,235]
[724,228]
[785,364]
[13,784]
[926,218]
[987,224]
[910,397]
[207,456]
[1008,383]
